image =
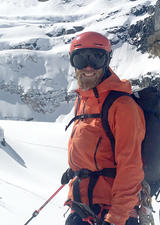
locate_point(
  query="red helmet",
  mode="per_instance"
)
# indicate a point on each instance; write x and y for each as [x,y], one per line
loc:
[90,40]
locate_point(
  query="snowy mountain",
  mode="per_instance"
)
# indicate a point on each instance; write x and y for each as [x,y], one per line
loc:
[36,80]
[37,83]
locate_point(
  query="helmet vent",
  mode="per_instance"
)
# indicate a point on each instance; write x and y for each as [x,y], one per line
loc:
[98,44]
[77,45]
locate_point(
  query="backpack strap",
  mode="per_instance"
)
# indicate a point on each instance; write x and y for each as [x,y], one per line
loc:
[110,99]
[81,117]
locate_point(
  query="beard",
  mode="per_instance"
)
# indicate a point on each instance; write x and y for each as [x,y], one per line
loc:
[88,82]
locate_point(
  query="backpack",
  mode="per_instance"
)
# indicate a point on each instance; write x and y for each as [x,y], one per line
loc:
[148,99]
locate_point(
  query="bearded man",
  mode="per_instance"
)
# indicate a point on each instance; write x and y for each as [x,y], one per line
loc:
[104,183]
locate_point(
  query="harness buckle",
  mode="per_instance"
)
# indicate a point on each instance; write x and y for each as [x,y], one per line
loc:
[83,173]
[82,116]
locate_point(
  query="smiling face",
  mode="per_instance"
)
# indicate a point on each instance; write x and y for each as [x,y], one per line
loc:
[89,64]
[88,77]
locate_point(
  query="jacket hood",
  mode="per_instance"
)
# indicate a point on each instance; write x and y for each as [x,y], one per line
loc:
[113,83]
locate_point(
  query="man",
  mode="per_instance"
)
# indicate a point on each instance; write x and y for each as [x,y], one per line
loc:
[111,197]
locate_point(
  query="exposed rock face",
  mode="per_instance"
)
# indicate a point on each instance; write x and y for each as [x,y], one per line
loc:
[140,32]
[146,80]
[146,34]
[136,34]
[154,43]
[157,17]
[154,39]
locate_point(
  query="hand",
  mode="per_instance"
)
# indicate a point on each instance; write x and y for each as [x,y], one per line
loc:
[106,223]
[67,176]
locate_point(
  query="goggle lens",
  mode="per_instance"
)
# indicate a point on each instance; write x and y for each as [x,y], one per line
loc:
[96,58]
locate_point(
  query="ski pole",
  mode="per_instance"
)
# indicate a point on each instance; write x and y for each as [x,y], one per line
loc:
[36,212]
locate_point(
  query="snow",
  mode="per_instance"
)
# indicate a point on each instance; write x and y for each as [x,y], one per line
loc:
[30,172]
[129,64]
[35,155]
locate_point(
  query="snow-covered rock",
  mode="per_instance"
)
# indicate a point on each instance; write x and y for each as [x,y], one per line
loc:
[36,78]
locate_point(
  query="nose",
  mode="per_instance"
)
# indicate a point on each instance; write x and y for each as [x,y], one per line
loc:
[89,68]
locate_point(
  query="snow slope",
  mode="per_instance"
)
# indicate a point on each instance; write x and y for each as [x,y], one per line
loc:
[30,172]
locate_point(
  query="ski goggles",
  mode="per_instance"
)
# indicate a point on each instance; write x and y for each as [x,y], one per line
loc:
[94,57]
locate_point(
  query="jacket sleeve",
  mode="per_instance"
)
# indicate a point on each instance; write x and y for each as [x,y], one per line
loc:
[128,127]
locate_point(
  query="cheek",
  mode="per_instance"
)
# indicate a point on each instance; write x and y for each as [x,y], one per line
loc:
[77,72]
[100,74]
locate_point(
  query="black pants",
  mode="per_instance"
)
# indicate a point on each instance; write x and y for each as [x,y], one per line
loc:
[75,219]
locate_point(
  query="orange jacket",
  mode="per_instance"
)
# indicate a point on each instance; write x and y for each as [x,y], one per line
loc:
[127,123]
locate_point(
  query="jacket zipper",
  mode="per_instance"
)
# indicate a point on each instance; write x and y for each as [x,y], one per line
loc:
[98,143]
[73,131]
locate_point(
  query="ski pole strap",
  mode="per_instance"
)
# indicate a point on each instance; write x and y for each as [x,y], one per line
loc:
[90,220]
[83,211]
[93,216]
